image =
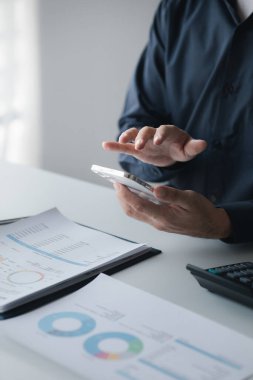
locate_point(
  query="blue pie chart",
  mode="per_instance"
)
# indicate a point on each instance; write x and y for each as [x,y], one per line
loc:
[85,324]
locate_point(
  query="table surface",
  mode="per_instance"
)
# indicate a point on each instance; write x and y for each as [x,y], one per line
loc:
[27,191]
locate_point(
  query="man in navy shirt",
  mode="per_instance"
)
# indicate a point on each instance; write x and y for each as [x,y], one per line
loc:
[188,121]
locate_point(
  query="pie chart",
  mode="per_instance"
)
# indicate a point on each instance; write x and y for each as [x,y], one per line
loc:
[67,324]
[113,345]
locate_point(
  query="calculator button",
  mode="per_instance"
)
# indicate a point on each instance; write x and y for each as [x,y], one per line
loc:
[245,280]
[233,275]
[244,273]
[239,266]
[220,270]
[214,270]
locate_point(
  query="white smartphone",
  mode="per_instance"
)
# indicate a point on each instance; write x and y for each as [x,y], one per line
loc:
[135,184]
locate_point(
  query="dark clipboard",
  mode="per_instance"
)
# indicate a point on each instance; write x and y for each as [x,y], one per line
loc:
[80,280]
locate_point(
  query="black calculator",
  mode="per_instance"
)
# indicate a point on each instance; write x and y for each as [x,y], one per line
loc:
[234,281]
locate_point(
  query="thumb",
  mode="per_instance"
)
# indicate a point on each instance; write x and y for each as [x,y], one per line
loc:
[194,147]
[171,195]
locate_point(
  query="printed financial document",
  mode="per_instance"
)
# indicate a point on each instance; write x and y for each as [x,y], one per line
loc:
[48,250]
[112,331]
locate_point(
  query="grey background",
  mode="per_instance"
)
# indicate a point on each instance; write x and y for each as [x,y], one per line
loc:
[88,50]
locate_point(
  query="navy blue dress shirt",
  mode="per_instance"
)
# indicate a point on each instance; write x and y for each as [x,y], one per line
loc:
[196,72]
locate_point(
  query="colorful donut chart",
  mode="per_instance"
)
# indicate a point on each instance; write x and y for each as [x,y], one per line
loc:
[135,345]
[25,277]
[46,324]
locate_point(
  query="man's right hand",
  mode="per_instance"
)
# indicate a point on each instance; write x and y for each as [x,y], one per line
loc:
[161,146]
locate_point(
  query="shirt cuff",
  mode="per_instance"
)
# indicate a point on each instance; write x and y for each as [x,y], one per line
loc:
[241,216]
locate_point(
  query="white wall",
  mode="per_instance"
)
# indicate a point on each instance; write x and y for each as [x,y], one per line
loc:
[88,50]
[19,82]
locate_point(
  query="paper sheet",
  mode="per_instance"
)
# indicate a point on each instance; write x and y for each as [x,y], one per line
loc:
[109,330]
[47,249]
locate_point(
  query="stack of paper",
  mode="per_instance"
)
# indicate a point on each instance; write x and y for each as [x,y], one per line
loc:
[108,330]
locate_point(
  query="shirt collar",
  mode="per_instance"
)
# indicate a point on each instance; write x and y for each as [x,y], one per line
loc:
[232,8]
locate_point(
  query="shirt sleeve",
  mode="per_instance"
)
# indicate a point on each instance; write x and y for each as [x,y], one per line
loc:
[146,102]
[241,216]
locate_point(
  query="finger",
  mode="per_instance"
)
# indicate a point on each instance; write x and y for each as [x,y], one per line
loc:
[114,146]
[164,132]
[183,198]
[134,205]
[145,134]
[159,216]
[194,147]
[129,135]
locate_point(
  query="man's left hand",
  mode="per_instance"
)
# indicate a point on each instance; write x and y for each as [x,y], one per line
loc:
[181,211]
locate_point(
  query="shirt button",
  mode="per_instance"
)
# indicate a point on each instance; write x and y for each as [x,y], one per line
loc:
[228,89]
[217,144]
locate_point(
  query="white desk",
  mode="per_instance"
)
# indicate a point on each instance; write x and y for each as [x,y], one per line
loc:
[26,191]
